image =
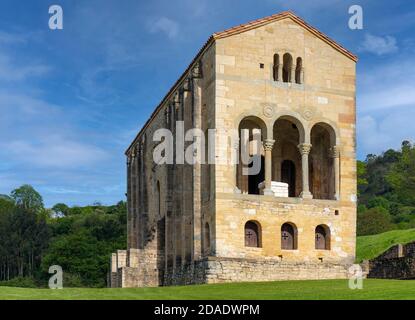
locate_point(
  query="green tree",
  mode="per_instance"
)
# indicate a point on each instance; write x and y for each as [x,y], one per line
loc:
[402,175]
[60,209]
[27,198]
[373,221]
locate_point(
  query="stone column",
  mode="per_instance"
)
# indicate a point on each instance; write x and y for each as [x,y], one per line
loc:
[279,71]
[301,75]
[129,203]
[268,144]
[335,154]
[305,150]
[292,71]
[197,167]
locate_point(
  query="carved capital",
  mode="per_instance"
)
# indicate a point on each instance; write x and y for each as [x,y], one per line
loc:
[304,148]
[268,144]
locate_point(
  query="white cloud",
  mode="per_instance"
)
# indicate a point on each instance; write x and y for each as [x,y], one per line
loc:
[379,45]
[54,152]
[164,25]
[377,134]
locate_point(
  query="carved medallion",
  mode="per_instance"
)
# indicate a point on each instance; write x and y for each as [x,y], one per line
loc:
[308,114]
[268,111]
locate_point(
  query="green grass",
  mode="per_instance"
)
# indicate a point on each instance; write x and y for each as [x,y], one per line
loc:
[369,247]
[282,290]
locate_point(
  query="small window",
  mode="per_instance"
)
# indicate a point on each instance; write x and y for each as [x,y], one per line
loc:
[322,235]
[288,236]
[286,69]
[276,66]
[252,234]
[261,65]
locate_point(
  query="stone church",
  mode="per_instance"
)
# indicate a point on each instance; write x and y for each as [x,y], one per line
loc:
[209,222]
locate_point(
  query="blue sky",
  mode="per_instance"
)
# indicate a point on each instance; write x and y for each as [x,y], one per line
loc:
[72,100]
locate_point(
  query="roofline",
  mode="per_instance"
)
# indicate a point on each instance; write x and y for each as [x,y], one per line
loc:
[237,30]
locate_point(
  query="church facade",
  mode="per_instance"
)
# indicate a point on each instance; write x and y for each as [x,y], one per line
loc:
[209,222]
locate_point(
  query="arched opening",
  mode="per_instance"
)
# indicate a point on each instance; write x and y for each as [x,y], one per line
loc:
[288,236]
[206,247]
[286,69]
[252,234]
[322,237]
[288,176]
[276,66]
[286,158]
[249,177]
[321,164]
[298,71]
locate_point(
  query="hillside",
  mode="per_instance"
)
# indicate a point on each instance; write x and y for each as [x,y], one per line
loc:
[369,247]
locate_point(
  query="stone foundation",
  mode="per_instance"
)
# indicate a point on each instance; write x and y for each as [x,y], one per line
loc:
[223,270]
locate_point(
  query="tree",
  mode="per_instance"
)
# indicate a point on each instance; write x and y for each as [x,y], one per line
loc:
[27,198]
[402,175]
[373,221]
[361,177]
[60,210]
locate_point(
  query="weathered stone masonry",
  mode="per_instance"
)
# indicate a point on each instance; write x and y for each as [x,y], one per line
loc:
[210,223]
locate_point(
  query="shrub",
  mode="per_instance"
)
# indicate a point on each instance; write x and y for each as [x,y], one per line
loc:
[22,282]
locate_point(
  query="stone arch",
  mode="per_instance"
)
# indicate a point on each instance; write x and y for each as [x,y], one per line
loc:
[330,126]
[294,118]
[249,183]
[321,170]
[288,133]
[252,231]
[322,237]
[289,236]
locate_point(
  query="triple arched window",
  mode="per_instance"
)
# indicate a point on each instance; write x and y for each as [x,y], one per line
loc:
[285,69]
[289,236]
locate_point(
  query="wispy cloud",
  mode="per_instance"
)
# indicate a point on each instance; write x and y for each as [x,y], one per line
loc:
[54,152]
[164,25]
[379,45]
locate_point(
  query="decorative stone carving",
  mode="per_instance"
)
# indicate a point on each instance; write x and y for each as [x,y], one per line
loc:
[308,114]
[268,144]
[304,148]
[268,111]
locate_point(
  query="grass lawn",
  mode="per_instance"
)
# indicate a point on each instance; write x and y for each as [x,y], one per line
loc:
[282,290]
[369,247]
